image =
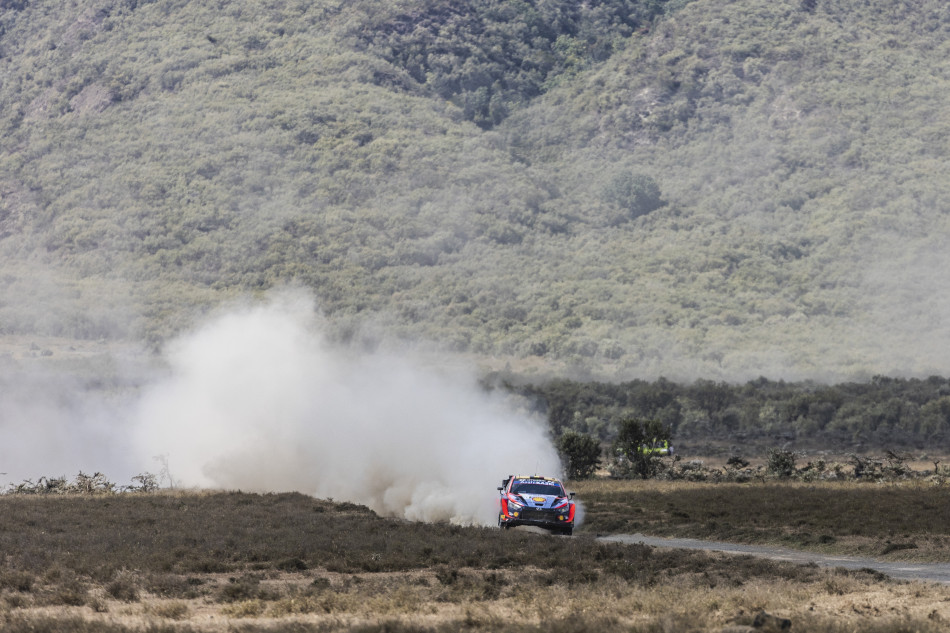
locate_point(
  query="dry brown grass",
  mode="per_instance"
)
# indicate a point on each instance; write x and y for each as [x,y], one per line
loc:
[238,562]
[895,521]
[524,600]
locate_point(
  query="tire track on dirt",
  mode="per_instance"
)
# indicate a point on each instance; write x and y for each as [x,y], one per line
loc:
[924,572]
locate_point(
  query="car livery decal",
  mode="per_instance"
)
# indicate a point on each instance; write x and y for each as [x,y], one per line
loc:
[536,500]
[533,501]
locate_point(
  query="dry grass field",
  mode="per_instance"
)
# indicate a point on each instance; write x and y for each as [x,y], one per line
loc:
[907,520]
[191,561]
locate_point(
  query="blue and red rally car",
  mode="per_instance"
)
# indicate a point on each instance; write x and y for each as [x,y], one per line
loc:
[538,501]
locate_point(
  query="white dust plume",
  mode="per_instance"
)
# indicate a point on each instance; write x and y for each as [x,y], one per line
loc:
[258,399]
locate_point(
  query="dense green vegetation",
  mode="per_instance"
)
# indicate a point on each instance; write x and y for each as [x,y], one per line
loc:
[884,413]
[491,57]
[630,188]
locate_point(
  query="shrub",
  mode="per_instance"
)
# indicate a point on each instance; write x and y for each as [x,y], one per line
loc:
[635,194]
[292,564]
[630,455]
[124,587]
[17,580]
[781,463]
[245,589]
[145,482]
[72,593]
[581,452]
[174,610]
[174,586]
[245,609]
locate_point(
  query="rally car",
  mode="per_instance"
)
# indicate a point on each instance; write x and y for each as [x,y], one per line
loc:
[538,501]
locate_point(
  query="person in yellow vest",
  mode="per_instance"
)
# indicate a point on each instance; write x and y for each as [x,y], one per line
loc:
[657,447]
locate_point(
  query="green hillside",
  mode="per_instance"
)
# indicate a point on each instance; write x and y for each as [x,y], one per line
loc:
[629,188]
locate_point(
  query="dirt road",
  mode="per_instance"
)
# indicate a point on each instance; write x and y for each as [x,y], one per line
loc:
[926,572]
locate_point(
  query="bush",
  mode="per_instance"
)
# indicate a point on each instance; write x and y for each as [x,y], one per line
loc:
[635,194]
[781,463]
[17,580]
[630,455]
[124,587]
[581,452]
[173,610]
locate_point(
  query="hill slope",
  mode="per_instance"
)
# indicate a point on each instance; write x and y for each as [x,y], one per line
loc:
[634,188]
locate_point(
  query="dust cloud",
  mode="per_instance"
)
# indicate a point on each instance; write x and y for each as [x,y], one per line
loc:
[54,423]
[258,399]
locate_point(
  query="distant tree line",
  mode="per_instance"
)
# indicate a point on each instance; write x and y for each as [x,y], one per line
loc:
[884,412]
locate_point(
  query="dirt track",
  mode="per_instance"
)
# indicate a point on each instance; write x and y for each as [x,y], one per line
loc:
[925,572]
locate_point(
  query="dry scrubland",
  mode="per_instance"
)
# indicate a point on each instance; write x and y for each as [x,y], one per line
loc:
[899,520]
[168,561]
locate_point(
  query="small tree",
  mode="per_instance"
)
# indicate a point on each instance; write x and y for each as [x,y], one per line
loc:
[781,463]
[581,452]
[632,450]
[635,194]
